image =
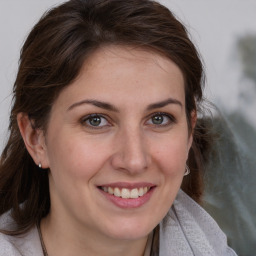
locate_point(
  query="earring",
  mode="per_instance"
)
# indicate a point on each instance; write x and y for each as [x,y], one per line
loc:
[40,165]
[187,171]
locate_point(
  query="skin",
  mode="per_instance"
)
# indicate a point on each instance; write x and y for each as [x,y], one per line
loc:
[132,144]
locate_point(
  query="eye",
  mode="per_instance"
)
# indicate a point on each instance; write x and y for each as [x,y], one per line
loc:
[95,121]
[161,119]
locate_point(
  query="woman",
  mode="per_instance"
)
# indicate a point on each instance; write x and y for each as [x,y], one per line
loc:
[103,119]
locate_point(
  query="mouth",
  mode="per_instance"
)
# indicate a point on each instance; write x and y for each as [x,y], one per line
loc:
[126,193]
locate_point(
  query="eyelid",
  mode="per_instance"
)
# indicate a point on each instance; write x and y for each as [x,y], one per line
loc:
[86,117]
[171,117]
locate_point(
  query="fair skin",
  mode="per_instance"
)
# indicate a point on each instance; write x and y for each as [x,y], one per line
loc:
[121,125]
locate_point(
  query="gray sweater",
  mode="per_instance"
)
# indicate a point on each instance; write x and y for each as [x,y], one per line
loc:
[187,230]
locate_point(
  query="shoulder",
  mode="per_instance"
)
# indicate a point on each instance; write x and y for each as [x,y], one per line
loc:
[27,244]
[189,230]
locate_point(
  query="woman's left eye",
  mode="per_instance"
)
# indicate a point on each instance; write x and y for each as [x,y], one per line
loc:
[160,119]
[95,121]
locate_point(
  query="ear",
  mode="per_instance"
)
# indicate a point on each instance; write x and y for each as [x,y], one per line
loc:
[193,120]
[34,140]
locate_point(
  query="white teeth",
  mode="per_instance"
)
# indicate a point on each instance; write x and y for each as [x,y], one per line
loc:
[141,191]
[117,192]
[110,190]
[125,192]
[134,193]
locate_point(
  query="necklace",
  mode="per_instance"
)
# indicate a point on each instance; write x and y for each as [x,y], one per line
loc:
[147,252]
[41,240]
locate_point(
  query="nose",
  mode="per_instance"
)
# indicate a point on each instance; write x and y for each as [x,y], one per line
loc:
[131,152]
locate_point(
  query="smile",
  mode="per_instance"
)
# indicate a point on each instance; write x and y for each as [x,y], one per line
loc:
[126,192]
[128,195]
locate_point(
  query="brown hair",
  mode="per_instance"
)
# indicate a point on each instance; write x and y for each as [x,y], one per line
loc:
[51,59]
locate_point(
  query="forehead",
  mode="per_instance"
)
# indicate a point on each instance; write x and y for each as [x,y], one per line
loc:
[115,73]
[128,57]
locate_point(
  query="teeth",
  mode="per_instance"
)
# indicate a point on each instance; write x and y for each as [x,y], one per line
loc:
[117,192]
[125,192]
[134,193]
[141,191]
[109,190]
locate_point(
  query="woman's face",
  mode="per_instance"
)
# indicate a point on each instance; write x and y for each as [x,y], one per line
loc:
[119,128]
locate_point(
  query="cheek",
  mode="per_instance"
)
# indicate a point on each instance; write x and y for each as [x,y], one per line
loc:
[75,157]
[73,165]
[171,155]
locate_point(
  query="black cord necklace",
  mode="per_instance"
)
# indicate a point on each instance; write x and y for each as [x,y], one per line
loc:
[41,240]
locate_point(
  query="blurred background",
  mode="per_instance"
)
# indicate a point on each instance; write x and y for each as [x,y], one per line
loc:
[225,34]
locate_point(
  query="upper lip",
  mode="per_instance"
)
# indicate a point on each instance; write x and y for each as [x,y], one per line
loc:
[128,185]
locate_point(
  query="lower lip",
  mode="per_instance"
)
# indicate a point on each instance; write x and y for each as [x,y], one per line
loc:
[131,202]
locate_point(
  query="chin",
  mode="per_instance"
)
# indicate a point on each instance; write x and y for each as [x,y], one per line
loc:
[130,232]
[130,235]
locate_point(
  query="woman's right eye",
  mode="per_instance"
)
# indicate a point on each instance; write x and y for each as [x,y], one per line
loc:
[95,121]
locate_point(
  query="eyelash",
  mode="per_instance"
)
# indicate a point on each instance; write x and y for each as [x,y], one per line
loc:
[171,120]
[96,115]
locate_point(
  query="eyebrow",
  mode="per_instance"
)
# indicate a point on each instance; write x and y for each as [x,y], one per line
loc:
[110,107]
[96,103]
[164,103]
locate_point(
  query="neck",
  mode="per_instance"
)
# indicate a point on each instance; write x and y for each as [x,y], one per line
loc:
[65,240]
